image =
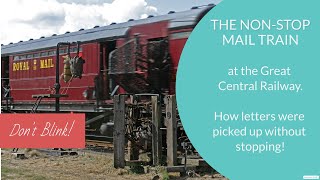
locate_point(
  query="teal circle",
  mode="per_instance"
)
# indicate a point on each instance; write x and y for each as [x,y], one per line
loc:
[205,62]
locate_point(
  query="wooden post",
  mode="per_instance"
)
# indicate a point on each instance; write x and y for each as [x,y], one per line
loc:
[133,149]
[156,132]
[171,123]
[119,131]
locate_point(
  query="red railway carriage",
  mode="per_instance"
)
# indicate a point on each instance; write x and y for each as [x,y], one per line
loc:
[34,73]
[134,57]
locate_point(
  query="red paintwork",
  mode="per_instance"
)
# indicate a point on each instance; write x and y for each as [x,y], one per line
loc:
[24,84]
[176,47]
[150,31]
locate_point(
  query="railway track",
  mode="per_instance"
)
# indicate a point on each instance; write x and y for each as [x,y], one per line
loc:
[99,144]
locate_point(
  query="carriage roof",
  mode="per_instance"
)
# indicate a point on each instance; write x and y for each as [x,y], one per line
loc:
[176,20]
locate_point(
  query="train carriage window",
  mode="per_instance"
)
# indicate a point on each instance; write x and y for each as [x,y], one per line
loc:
[44,54]
[73,50]
[16,58]
[29,56]
[180,35]
[22,57]
[36,55]
[62,51]
[52,53]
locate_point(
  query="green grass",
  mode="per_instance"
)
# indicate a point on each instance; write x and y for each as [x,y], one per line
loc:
[13,173]
[165,175]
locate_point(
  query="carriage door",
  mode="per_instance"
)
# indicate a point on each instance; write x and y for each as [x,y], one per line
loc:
[102,81]
[5,77]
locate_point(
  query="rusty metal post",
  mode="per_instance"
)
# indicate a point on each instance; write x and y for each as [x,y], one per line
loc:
[156,132]
[119,131]
[171,123]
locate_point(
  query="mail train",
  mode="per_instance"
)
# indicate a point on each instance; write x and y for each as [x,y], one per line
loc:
[134,57]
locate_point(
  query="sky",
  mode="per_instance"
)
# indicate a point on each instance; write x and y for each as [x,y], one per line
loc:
[22,20]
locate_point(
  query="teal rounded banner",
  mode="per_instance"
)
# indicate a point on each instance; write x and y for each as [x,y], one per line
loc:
[248,89]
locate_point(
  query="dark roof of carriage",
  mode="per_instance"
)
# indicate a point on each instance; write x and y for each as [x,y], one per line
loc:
[177,19]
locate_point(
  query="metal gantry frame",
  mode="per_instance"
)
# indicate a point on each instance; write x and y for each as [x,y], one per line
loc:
[57,85]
